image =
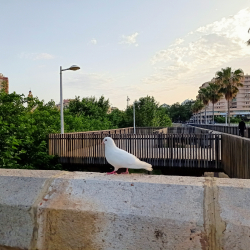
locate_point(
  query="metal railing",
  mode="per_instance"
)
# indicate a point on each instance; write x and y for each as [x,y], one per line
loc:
[158,149]
[233,130]
[128,130]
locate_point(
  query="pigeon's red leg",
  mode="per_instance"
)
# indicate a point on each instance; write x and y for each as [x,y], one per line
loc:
[113,172]
[126,172]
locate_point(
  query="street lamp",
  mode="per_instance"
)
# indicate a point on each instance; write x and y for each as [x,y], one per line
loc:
[134,114]
[73,67]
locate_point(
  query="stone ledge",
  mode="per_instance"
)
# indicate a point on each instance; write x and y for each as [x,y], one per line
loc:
[77,210]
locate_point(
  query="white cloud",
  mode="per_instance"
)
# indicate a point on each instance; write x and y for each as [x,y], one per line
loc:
[93,41]
[36,56]
[178,41]
[130,39]
[202,52]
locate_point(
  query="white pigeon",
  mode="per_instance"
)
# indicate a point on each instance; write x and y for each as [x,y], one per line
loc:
[120,158]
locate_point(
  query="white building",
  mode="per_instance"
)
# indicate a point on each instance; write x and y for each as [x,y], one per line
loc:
[240,105]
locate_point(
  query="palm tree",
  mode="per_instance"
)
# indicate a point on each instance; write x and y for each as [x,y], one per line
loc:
[229,82]
[204,97]
[214,94]
[248,42]
[194,110]
[197,106]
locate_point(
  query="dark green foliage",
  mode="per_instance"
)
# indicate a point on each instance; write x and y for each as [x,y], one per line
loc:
[118,118]
[180,112]
[87,114]
[23,132]
[25,124]
[148,113]
[221,119]
[89,106]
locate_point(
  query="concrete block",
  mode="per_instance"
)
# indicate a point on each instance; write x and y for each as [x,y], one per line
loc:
[19,190]
[234,212]
[50,210]
[96,211]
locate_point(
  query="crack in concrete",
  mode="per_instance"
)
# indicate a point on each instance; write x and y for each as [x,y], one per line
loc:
[213,224]
[33,209]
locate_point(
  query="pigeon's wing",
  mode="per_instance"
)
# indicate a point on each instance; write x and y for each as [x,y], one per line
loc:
[121,159]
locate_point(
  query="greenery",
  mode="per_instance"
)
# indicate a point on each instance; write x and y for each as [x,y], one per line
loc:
[25,123]
[226,82]
[148,113]
[24,131]
[180,112]
[197,106]
[229,82]
[214,94]
[221,119]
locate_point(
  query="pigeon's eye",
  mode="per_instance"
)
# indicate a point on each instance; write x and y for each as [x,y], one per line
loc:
[105,139]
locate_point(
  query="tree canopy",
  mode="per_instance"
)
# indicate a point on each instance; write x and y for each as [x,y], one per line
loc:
[26,122]
[180,112]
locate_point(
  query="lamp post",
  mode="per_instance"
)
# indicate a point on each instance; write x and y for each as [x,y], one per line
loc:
[73,67]
[134,114]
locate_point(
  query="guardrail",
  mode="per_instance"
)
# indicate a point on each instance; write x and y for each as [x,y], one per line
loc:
[235,156]
[171,150]
[233,130]
[128,130]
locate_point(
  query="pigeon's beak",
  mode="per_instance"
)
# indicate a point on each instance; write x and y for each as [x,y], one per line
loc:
[102,142]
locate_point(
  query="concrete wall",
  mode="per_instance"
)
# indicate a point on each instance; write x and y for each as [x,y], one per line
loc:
[72,210]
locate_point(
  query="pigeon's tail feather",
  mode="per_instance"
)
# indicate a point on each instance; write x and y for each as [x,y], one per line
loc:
[149,168]
[146,166]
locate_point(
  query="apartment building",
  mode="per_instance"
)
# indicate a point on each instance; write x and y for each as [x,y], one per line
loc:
[2,80]
[240,105]
[65,103]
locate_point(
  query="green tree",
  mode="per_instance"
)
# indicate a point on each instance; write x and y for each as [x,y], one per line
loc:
[229,82]
[180,112]
[23,132]
[118,118]
[89,106]
[204,97]
[197,106]
[214,94]
[148,113]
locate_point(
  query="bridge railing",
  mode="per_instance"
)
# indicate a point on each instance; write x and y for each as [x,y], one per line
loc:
[128,130]
[190,150]
[233,130]
[58,143]
[235,156]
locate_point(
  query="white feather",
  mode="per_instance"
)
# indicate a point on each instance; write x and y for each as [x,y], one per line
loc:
[119,158]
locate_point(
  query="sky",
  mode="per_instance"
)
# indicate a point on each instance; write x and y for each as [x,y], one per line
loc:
[161,48]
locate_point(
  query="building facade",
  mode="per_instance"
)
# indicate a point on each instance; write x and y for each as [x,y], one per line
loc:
[239,106]
[4,83]
[65,103]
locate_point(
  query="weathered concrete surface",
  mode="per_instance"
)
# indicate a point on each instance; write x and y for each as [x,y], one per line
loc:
[64,210]
[234,207]
[19,191]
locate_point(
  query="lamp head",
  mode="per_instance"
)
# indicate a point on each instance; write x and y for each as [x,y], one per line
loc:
[74,67]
